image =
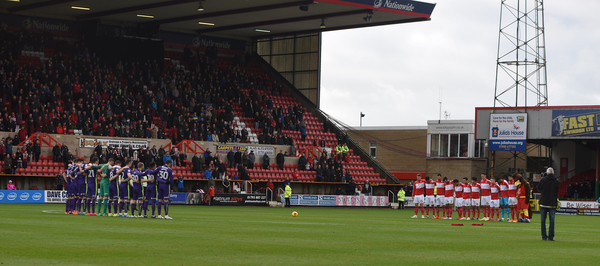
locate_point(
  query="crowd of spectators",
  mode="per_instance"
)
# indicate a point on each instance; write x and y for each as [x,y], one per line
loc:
[80,91]
[580,190]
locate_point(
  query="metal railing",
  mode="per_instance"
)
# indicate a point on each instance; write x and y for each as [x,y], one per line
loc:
[267,190]
[394,198]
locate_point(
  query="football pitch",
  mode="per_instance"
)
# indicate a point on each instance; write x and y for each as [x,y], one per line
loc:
[41,234]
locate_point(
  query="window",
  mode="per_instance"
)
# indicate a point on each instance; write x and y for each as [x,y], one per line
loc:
[449,145]
[373,149]
[479,148]
[435,145]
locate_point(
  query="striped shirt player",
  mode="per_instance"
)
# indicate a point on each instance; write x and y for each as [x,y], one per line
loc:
[458,194]
[467,197]
[448,198]
[495,202]
[475,198]
[418,196]
[440,201]
[429,197]
[504,199]
[485,196]
[164,179]
[512,199]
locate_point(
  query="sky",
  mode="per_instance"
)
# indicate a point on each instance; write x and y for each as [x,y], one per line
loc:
[395,74]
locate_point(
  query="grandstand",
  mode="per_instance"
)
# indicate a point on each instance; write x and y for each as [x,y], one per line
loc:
[79,77]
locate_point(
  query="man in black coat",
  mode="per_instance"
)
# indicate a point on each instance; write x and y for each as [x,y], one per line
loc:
[56,153]
[548,188]
[196,164]
[280,160]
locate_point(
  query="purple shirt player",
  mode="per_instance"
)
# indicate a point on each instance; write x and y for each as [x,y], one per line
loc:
[164,177]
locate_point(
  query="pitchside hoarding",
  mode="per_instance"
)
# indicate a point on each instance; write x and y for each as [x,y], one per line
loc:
[21,196]
[344,200]
[508,132]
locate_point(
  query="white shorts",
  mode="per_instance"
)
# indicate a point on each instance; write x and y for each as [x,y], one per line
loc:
[449,200]
[475,202]
[467,202]
[495,203]
[418,199]
[440,201]
[485,200]
[512,201]
[458,203]
[429,200]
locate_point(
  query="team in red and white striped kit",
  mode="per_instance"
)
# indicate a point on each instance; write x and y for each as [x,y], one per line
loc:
[469,198]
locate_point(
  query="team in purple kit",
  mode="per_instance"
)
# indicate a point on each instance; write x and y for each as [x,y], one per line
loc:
[126,187]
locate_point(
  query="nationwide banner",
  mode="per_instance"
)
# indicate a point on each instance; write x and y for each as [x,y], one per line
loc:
[406,7]
[21,196]
[240,199]
[339,200]
[55,196]
[576,123]
[92,143]
[508,132]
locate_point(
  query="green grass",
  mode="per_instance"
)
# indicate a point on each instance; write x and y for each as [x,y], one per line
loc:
[38,234]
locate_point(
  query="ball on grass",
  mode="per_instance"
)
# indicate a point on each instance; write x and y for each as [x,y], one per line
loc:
[295,214]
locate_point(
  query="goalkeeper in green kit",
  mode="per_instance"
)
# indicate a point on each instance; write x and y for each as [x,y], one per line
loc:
[103,171]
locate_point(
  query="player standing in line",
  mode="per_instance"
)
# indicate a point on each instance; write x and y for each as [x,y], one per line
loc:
[512,199]
[495,202]
[485,197]
[458,193]
[164,176]
[440,201]
[475,198]
[137,196]
[467,198]
[449,198]
[80,187]
[150,180]
[504,199]
[103,172]
[418,196]
[429,197]
[124,189]
[113,188]
[92,185]
[68,176]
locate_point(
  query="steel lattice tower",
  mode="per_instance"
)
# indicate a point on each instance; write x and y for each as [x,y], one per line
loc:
[521,63]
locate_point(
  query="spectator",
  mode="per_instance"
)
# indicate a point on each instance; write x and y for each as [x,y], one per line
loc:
[36,151]
[295,175]
[319,173]
[251,160]
[226,184]
[302,162]
[231,158]
[271,188]
[180,184]
[211,195]
[64,154]
[208,173]
[266,161]
[245,160]
[196,164]
[280,160]
[367,188]
[548,188]
[351,188]
[10,186]
[238,158]
[56,153]
[339,191]
[8,163]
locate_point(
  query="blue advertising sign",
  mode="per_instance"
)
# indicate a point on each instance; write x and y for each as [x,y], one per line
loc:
[576,123]
[179,198]
[407,7]
[22,196]
[508,132]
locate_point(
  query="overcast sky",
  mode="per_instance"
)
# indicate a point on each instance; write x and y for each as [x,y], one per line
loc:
[393,74]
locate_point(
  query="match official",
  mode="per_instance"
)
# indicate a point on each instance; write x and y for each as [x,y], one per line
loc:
[548,186]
